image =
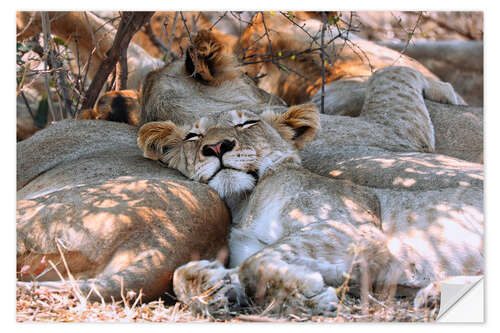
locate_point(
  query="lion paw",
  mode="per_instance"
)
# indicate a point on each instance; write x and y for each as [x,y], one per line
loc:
[324,303]
[207,287]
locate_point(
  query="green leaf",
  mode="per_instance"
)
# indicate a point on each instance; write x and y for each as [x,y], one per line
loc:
[59,41]
[42,114]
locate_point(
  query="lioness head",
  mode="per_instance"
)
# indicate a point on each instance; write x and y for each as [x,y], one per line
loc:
[230,150]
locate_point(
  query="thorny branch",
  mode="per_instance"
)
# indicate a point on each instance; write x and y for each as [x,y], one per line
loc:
[154,39]
[410,37]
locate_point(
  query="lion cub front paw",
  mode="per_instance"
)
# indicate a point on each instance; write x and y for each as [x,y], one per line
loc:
[207,287]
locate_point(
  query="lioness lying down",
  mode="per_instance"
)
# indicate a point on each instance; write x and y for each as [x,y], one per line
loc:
[297,235]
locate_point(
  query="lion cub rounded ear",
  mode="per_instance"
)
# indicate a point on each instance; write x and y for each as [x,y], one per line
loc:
[299,124]
[158,137]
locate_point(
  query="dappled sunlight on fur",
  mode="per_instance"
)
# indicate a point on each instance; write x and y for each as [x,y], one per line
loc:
[124,222]
[296,236]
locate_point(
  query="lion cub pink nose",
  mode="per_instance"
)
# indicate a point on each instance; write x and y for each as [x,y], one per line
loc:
[218,149]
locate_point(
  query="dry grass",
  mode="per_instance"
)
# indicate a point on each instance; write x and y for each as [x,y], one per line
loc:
[40,304]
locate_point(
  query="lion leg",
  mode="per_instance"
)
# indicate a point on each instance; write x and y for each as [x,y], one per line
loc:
[148,273]
[395,100]
[206,286]
[277,278]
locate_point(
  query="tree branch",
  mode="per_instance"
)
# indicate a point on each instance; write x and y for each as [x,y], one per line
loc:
[122,71]
[130,23]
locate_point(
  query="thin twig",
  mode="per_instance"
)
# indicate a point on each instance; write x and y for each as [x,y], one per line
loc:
[74,285]
[192,43]
[172,34]
[410,37]
[27,105]
[313,39]
[32,17]
[323,28]
[46,50]
[283,56]
[157,41]
[218,20]
[195,22]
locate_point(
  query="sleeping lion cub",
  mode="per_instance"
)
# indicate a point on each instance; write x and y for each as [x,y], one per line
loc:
[296,236]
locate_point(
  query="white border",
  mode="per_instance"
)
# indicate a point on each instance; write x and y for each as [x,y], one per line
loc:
[492,18]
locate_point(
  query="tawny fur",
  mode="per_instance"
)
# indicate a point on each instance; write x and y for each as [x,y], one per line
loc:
[295,234]
[211,59]
[173,93]
[122,223]
[162,24]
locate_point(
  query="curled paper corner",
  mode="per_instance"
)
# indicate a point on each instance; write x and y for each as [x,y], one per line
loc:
[462,299]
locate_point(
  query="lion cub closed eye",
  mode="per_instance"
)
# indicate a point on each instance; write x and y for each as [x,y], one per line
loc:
[232,150]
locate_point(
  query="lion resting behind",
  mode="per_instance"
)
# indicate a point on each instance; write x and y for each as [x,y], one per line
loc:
[298,76]
[119,220]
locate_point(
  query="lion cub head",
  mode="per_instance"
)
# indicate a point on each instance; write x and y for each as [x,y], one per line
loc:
[230,150]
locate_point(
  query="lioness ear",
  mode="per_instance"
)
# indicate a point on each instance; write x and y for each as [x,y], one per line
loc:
[299,124]
[156,138]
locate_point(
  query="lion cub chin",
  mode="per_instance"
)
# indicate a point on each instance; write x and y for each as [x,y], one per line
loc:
[228,182]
